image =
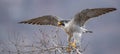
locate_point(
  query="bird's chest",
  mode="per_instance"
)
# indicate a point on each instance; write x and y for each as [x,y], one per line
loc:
[74,29]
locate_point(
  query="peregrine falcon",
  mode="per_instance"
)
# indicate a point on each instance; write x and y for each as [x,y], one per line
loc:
[74,27]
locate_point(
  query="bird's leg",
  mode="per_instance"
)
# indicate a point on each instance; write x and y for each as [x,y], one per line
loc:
[69,41]
[70,36]
[71,44]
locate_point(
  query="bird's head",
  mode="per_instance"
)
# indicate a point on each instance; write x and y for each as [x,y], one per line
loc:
[62,23]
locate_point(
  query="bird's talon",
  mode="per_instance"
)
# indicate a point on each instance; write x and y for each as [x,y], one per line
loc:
[72,44]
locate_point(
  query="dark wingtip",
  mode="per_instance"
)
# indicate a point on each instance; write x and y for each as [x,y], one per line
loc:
[114,8]
[110,9]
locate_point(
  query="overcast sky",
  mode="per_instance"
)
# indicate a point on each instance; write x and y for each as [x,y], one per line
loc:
[105,38]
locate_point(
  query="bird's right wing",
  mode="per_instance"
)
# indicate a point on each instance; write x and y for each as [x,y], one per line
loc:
[44,20]
[83,16]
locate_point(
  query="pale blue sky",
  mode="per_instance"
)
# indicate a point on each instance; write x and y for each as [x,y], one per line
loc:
[105,38]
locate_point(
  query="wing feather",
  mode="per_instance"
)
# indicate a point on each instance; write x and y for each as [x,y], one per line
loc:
[44,20]
[83,16]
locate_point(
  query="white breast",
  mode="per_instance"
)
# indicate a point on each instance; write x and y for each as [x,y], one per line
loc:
[74,28]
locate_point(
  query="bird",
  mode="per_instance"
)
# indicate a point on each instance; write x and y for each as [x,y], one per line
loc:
[74,27]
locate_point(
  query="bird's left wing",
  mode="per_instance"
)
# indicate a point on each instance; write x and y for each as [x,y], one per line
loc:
[83,16]
[43,20]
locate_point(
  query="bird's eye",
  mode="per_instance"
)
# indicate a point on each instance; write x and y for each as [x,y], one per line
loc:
[63,24]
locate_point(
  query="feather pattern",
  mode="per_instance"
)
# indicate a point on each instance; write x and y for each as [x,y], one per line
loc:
[84,15]
[44,20]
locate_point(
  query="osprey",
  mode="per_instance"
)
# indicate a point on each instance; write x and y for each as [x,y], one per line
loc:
[74,27]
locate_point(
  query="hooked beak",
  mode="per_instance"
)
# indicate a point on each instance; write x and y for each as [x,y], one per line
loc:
[59,23]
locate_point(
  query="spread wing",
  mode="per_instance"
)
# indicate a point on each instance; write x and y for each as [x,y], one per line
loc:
[44,20]
[83,16]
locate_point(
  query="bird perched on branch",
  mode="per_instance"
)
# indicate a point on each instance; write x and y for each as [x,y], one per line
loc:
[72,27]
